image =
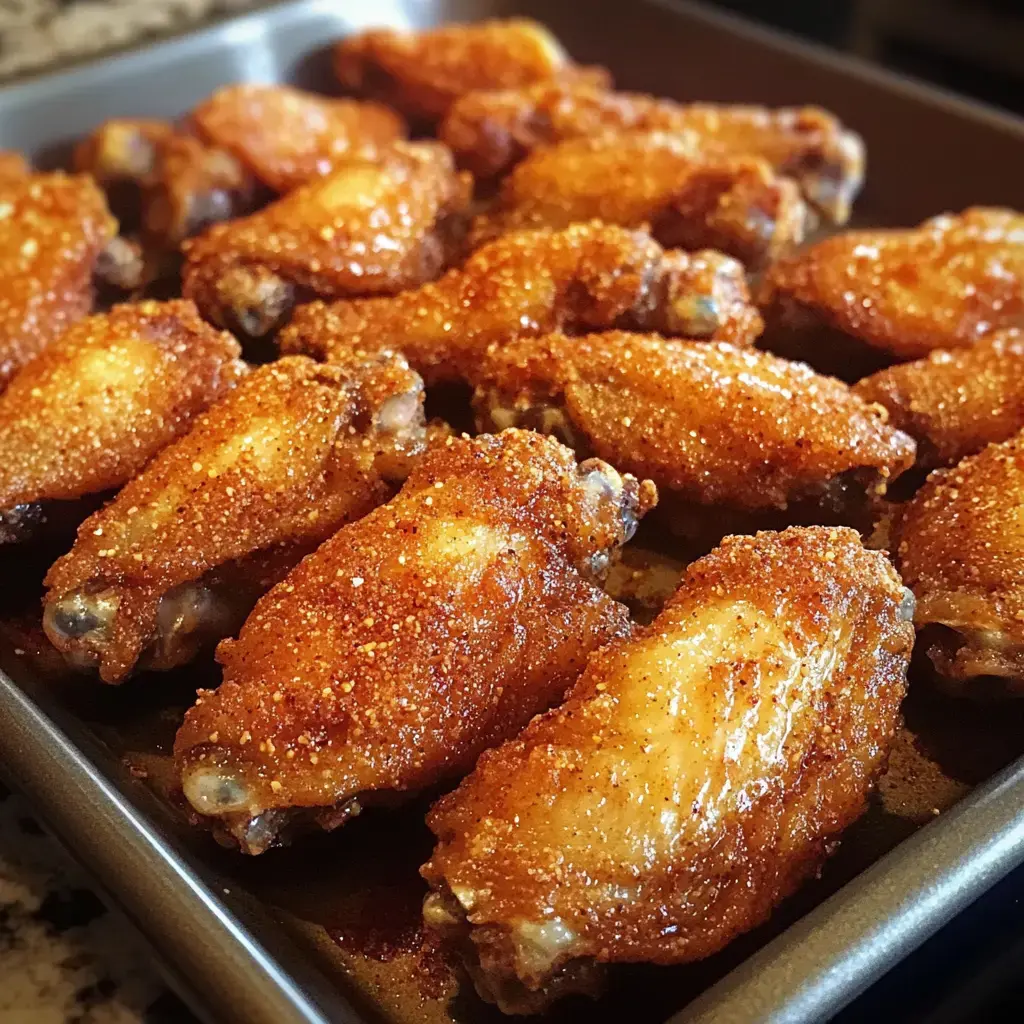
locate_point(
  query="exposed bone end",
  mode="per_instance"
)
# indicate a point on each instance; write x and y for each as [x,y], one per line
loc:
[121,265]
[254,301]
[80,625]
[832,183]
[20,523]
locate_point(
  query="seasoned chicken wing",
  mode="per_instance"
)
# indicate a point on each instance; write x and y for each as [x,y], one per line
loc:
[635,179]
[177,560]
[959,544]
[413,639]
[727,434]
[53,228]
[88,413]
[369,228]
[286,137]
[955,403]
[871,298]
[696,775]
[490,131]
[587,277]
[423,73]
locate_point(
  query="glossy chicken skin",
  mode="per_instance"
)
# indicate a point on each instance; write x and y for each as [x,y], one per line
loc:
[897,295]
[414,638]
[52,229]
[86,415]
[587,277]
[369,228]
[955,403]
[180,556]
[696,775]
[286,137]
[960,548]
[491,131]
[423,73]
[635,179]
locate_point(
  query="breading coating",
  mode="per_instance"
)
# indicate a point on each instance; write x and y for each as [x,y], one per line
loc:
[371,227]
[490,131]
[955,403]
[52,229]
[696,775]
[179,557]
[896,295]
[412,639]
[89,412]
[423,73]
[587,277]
[286,137]
[960,547]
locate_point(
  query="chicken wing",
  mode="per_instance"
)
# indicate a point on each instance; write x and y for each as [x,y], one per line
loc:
[286,137]
[589,276]
[177,560]
[369,228]
[89,412]
[423,73]
[490,131]
[52,229]
[960,547]
[730,436]
[871,298]
[697,774]
[413,639]
[13,166]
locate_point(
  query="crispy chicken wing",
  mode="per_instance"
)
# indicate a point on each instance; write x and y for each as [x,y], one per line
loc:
[413,639]
[180,556]
[490,131]
[52,229]
[423,73]
[369,228]
[587,277]
[871,298]
[697,774]
[287,137]
[959,544]
[88,413]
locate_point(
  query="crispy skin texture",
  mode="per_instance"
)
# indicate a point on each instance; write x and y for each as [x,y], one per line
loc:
[955,403]
[960,547]
[97,405]
[491,131]
[900,293]
[294,452]
[52,229]
[287,137]
[739,206]
[423,73]
[695,776]
[710,423]
[416,637]
[587,277]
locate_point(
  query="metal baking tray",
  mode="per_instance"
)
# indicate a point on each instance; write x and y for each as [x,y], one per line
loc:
[328,930]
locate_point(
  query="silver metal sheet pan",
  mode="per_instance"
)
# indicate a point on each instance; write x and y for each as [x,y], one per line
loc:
[327,931]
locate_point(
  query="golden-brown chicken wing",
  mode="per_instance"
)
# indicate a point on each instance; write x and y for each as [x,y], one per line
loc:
[697,774]
[287,137]
[88,413]
[13,166]
[589,276]
[180,556]
[414,638]
[959,544]
[871,298]
[52,229]
[369,228]
[738,205]
[490,131]
[423,73]
[955,403]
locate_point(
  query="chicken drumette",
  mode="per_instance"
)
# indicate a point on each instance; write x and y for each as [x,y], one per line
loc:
[696,775]
[413,639]
[177,560]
